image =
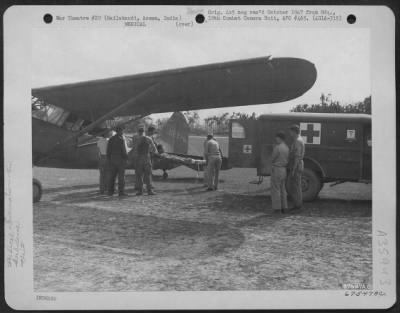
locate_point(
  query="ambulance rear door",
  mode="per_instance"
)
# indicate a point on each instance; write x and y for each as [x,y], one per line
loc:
[243,150]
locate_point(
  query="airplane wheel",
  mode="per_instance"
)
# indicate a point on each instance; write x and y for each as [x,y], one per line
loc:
[165,175]
[37,190]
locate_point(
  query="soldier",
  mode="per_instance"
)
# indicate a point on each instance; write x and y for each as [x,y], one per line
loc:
[145,147]
[296,167]
[135,141]
[205,179]
[154,157]
[150,133]
[280,157]
[117,157]
[102,143]
[214,161]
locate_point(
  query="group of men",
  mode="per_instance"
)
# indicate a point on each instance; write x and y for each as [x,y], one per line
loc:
[287,165]
[287,169]
[113,160]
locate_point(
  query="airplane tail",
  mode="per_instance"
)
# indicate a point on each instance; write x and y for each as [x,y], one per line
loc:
[174,135]
[174,139]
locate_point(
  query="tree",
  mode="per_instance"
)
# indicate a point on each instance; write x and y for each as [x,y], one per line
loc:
[219,124]
[160,122]
[327,105]
[134,125]
[192,118]
[243,116]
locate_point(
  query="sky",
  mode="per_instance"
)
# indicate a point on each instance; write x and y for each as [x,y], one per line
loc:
[69,55]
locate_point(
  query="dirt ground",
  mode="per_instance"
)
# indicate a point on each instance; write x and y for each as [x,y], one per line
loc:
[184,238]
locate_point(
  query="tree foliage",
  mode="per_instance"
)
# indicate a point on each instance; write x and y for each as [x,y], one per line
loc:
[219,124]
[327,105]
[132,126]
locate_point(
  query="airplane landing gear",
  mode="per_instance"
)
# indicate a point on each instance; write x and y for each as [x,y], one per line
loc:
[165,175]
[36,190]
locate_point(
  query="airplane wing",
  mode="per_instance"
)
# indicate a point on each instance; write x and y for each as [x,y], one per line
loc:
[245,82]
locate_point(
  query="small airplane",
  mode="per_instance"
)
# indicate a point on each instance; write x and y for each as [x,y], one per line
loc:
[67,118]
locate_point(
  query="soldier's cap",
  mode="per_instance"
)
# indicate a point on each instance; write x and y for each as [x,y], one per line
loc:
[281,135]
[295,128]
[107,133]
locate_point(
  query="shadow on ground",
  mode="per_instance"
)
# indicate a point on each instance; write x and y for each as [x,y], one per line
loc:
[221,201]
[262,204]
[69,188]
[154,236]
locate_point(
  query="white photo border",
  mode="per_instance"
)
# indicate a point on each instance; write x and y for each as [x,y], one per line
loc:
[18,24]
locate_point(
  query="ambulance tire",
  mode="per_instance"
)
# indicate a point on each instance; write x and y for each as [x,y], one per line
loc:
[311,184]
[36,190]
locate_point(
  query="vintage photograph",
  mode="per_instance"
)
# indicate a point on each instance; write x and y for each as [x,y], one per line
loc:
[203,159]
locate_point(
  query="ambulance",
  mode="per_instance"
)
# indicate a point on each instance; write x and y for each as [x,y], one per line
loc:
[337,146]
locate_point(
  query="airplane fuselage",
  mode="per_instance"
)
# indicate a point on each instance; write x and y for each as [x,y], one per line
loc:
[50,149]
[72,155]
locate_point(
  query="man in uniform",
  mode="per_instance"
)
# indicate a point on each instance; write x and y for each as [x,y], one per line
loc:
[151,134]
[213,156]
[205,179]
[135,141]
[102,143]
[296,166]
[117,157]
[280,157]
[144,148]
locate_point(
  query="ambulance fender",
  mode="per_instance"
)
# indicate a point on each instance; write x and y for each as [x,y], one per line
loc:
[314,165]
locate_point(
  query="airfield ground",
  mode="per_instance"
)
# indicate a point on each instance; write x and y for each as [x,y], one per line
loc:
[187,239]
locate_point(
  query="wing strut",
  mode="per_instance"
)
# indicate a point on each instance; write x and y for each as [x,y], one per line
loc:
[84,142]
[114,111]
[100,120]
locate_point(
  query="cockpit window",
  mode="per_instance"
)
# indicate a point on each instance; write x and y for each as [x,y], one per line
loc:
[48,112]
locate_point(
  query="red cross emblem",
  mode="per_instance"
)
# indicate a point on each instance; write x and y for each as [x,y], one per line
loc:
[247,149]
[311,133]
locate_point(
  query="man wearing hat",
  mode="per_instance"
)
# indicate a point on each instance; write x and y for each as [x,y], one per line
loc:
[205,179]
[280,157]
[213,155]
[296,166]
[144,149]
[102,143]
[150,133]
[135,141]
[154,156]
[117,157]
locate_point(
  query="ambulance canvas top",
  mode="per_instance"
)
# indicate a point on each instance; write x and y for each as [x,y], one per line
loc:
[319,117]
